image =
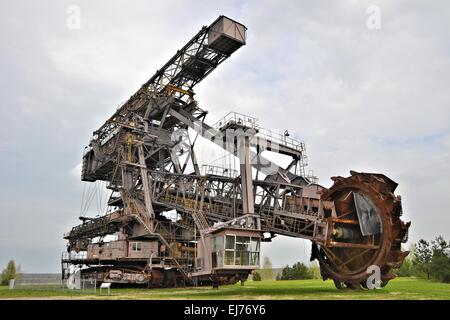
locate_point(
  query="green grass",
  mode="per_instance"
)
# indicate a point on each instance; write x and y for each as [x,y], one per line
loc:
[400,288]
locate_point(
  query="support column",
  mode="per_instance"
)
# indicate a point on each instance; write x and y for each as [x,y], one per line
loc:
[144,177]
[248,204]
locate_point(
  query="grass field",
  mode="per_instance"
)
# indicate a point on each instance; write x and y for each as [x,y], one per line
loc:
[401,288]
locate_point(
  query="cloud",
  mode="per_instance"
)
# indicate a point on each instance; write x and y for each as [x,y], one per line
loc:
[368,100]
[373,101]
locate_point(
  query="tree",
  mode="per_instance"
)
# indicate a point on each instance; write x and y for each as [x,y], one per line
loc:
[256,276]
[433,259]
[314,269]
[423,254]
[407,268]
[9,273]
[301,271]
[266,271]
[409,265]
[298,271]
[440,260]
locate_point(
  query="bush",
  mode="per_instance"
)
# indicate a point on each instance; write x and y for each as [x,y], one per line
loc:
[256,276]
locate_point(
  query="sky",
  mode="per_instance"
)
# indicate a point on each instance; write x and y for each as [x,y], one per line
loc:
[363,95]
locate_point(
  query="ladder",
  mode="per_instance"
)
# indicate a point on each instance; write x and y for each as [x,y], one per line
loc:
[197,214]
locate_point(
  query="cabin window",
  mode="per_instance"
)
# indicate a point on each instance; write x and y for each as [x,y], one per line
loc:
[254,251]
[136,246]
[239,250]
[218,245]
[229,258]
[242,251]
[230,243]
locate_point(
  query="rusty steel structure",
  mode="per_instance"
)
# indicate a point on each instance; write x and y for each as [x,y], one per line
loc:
[145,153]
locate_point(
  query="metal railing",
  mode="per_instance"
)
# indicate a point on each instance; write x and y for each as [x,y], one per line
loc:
[237,118]
[281,139]
[219,171]
[82,255]
[270,135]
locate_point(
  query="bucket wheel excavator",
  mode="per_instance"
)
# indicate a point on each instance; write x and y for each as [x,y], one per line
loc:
[366,230]
[145,154]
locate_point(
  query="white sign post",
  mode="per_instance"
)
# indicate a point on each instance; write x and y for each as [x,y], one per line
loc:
[105,285]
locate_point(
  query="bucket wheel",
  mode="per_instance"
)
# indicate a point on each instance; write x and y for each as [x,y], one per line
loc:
[365,230]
